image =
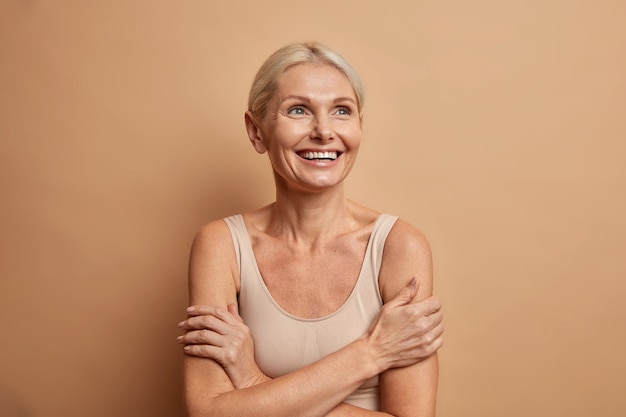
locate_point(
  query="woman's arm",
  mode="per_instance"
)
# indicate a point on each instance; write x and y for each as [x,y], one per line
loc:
[222,336]
[314,390]
[410,391]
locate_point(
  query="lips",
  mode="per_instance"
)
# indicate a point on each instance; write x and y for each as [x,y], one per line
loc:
[319,156]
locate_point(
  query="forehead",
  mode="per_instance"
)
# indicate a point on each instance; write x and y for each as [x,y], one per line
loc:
[311,79]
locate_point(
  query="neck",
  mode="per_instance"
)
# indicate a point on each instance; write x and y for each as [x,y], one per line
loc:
[306,218]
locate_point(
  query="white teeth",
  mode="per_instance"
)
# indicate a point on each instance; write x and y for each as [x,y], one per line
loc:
[319,155]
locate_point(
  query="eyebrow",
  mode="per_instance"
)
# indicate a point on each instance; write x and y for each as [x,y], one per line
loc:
[308,100]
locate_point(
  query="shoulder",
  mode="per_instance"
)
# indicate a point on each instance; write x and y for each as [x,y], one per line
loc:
[212,265]
[406,254]
[211,238]
[404,239]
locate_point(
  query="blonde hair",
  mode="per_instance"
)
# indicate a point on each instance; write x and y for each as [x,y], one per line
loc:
[264,84]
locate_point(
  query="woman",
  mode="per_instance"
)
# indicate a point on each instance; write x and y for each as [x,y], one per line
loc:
[337,323]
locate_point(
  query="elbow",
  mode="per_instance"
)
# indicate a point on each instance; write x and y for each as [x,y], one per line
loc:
[192,410]
[195,410]
[196,406]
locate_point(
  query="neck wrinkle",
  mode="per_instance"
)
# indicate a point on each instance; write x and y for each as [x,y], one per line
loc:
[309,220]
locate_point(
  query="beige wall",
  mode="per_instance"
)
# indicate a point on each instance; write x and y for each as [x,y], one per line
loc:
[497,127]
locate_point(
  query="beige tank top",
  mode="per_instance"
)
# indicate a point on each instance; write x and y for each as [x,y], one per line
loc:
[284,343]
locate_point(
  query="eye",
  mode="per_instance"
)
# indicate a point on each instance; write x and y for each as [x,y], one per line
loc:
[343,111]
[296,111]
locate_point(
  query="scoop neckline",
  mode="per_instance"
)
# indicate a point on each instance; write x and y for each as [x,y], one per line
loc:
[278,307]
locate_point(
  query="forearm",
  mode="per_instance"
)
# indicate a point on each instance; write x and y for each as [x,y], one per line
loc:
[341,410]
[348,410]
[314,390]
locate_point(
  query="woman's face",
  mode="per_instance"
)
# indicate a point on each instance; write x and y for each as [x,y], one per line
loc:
[312,128]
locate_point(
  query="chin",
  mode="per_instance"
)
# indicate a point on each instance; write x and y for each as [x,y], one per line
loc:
[325,184]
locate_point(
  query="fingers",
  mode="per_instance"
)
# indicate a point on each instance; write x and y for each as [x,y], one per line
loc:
[207,322]
[432,337]
[234,310]
[405,295]
[433,340]
[427,306]
[207,317]
[209,337]
[213,332]
[427,324]
[202,310]
[201,337]
[203,351]
[437,334]
[436,318]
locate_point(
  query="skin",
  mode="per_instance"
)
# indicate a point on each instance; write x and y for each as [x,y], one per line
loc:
[317,237]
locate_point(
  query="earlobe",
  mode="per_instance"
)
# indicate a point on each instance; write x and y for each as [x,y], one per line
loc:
[254,133]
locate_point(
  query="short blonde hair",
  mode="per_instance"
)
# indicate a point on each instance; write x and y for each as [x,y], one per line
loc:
[264,84]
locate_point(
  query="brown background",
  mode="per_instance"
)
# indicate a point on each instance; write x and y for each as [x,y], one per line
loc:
[497,127]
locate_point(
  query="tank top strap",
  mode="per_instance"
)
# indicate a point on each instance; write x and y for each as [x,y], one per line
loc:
[239,234]
[380,231]
[241,242]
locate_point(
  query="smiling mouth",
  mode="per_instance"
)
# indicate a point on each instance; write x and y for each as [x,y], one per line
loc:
[319,156]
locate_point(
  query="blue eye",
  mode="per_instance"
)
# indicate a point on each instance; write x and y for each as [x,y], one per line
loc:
[344,111]
[297,110]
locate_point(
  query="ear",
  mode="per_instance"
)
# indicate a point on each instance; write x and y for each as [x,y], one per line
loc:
[254,133]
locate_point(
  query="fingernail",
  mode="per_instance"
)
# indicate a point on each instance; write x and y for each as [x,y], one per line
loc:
[191,309]
[179,338]
[187,348]
[413,282]
[181,324]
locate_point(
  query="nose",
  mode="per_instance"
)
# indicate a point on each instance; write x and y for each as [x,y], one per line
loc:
[322,129]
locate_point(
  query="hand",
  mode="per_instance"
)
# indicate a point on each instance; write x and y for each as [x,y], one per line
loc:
[221,335]
[403,333]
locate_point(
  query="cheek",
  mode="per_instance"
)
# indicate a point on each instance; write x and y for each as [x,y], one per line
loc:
[288,133]
[352,136]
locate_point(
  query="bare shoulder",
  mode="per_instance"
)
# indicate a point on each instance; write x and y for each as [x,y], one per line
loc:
[214,235]
[406,254]
[213,266]
[405,240]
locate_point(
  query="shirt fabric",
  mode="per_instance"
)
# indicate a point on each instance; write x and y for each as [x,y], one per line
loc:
[284,343]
